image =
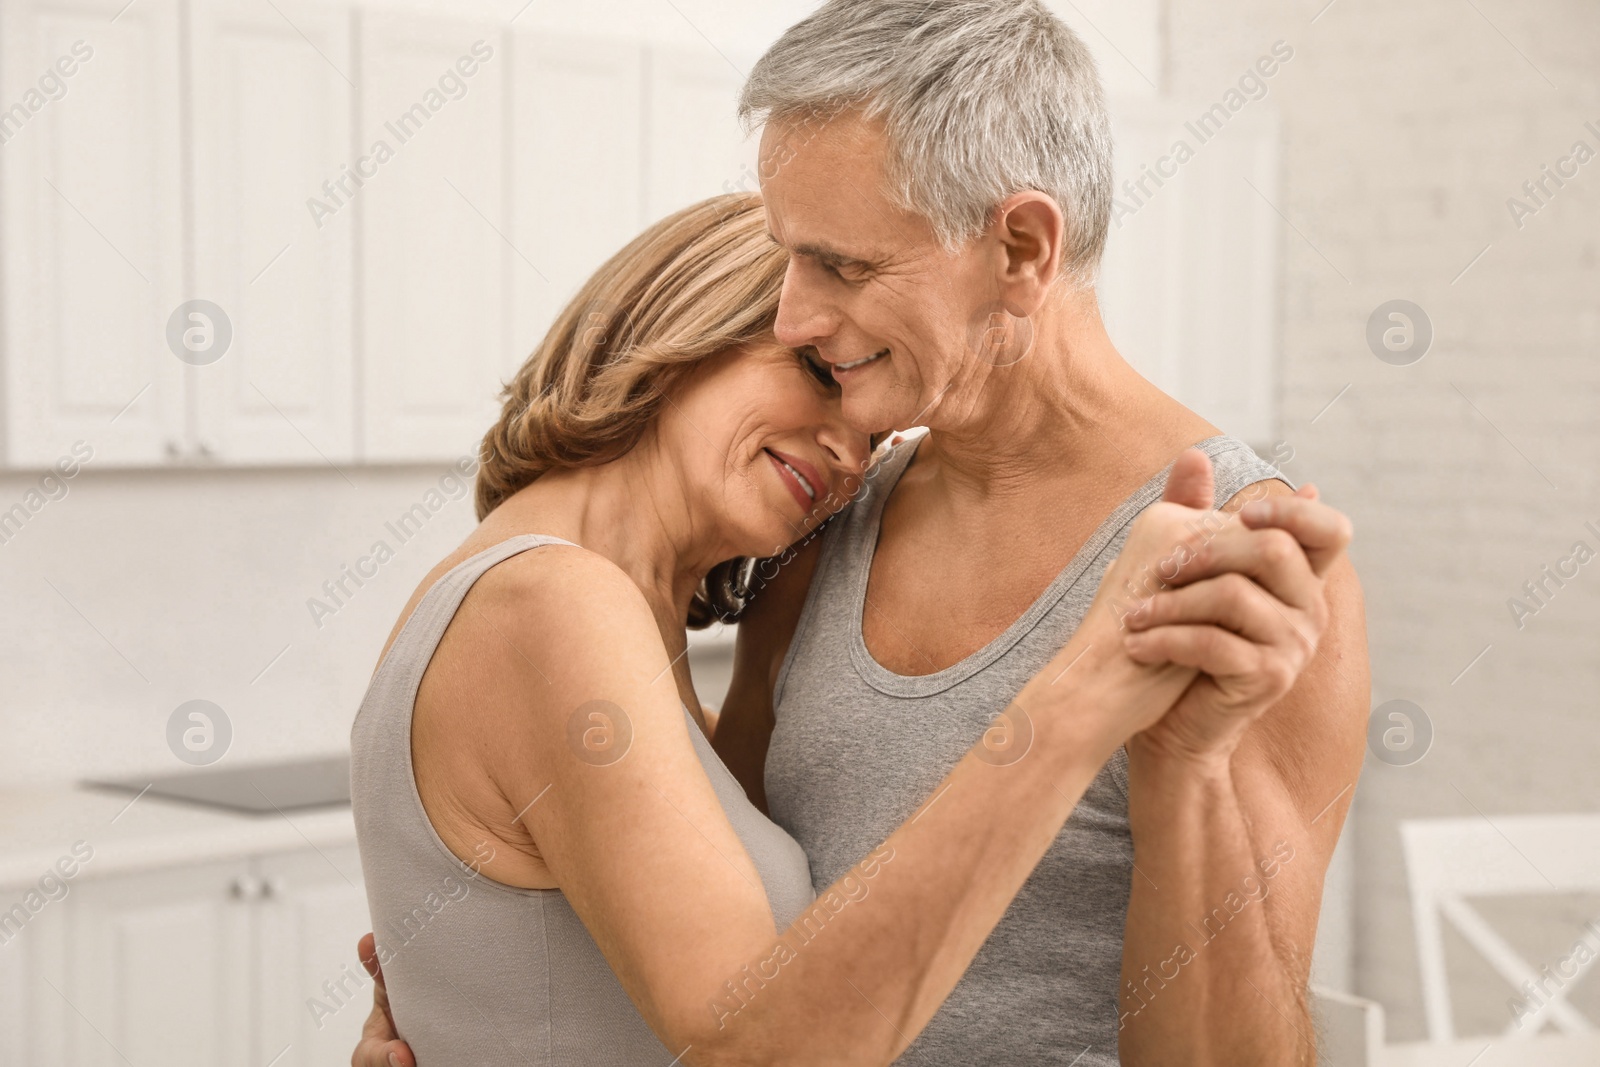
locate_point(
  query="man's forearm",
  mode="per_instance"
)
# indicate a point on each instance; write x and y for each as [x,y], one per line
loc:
[1204,979]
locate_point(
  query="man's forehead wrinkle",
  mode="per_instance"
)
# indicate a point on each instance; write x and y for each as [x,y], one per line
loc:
[877,213]
[781,233]
[815,186]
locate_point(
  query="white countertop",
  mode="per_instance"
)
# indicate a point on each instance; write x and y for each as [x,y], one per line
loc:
[1550,1050]
[38,826]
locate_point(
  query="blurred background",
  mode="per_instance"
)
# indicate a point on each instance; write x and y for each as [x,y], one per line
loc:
[264,263]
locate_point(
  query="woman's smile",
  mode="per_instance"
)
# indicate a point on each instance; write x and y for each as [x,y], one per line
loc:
[799,477]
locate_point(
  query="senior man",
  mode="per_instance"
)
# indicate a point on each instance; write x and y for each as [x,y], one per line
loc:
[940,172]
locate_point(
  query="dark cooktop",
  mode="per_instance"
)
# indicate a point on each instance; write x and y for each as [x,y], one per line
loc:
[262,788]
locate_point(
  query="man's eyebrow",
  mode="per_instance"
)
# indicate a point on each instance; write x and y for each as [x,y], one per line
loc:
[832,257]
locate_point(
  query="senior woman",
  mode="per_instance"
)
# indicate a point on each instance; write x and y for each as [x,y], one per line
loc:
[559,868]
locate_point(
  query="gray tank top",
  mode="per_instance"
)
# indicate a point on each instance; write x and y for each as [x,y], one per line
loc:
[480,972]
[856,748]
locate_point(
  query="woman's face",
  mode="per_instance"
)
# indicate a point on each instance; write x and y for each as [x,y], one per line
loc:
[763,446]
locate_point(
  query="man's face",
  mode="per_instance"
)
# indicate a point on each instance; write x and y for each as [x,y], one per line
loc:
[868,284]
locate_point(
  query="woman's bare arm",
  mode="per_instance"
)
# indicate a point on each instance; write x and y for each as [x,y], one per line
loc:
[646,857]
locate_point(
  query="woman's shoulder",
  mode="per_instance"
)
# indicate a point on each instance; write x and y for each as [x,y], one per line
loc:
[563,586]
[527,586]
[548,628]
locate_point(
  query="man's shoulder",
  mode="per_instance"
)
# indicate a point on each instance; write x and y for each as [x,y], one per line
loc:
[1267,486]
[1242,473]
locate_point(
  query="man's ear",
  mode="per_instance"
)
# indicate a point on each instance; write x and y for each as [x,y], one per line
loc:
[1031,230]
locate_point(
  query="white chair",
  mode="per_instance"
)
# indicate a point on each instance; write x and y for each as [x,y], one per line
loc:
[1450,860]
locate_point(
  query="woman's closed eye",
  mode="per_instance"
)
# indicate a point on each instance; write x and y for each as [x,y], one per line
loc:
[815,366]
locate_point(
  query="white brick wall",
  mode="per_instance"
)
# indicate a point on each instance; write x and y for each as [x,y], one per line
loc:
[1406,127]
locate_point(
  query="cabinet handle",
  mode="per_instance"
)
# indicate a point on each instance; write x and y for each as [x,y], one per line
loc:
[207,449]
[246,887]
[174,450]
[274,887]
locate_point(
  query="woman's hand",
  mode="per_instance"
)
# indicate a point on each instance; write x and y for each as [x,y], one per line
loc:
[1210,615]
[380,1045]
[1248,610]
[955,865]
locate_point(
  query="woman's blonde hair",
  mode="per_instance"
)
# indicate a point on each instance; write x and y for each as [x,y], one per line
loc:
[697,283]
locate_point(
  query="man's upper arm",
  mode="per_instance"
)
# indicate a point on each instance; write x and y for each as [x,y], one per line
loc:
[765,629]
[1295,770]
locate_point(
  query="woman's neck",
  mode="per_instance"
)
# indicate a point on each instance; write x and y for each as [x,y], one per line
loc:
[635,513]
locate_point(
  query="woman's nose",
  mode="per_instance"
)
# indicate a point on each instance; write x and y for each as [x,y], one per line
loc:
[849,450]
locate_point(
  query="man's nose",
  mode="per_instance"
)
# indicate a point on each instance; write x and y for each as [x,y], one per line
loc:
[803,316]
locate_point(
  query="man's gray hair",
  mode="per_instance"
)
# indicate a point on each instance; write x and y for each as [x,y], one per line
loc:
[980,99]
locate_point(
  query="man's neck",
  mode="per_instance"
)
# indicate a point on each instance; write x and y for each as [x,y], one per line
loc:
[1072,411]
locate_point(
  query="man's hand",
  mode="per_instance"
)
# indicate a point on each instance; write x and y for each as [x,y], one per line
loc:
[1237,792]
[1260,577]
[380,1043]
[1237,599]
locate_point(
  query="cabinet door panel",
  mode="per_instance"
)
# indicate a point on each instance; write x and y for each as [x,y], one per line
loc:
[315,996]
[434,232]
[93,232]
[576,171]
[33,1013]
[273,246]
[695,147]
[161,965]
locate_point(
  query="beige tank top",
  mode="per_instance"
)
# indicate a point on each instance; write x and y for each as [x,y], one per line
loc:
[480,972]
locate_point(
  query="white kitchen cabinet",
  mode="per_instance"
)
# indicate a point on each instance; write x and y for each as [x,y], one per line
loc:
[93,229]
[33,1011]
[96,204]
[435,243]
[15,975]
[211,963]
[694,147]
[577,171]
[161,967]
[314,995]
[392,200]
[273,232]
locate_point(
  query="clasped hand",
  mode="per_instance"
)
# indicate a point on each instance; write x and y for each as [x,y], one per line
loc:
[1223,611]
